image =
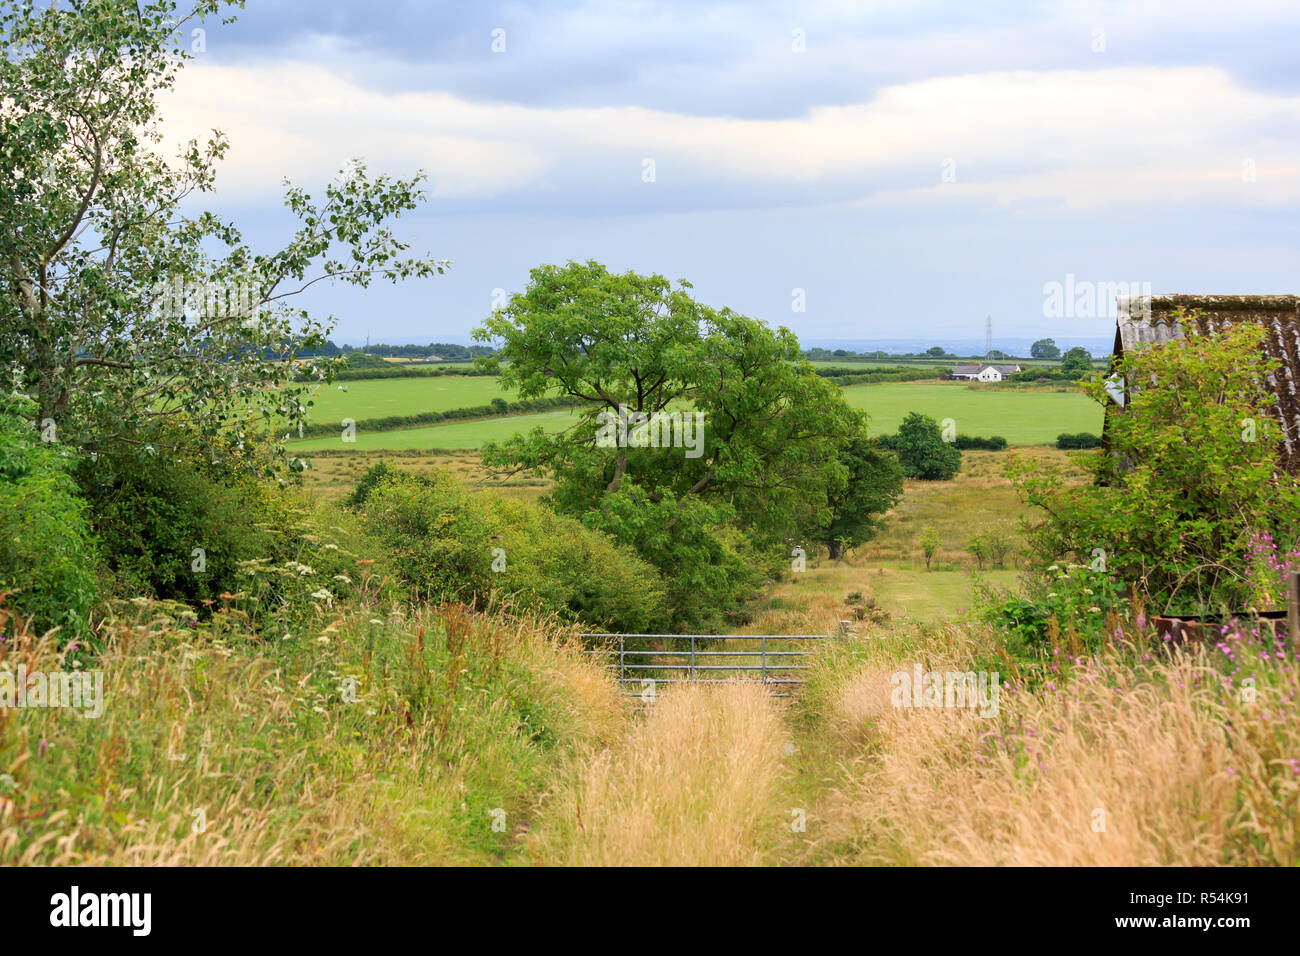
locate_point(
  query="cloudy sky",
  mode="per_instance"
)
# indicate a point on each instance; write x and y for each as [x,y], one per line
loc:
[912,167]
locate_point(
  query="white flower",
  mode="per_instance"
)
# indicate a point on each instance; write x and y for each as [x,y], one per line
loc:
[322,595]
[1054,567]
[1094,610]
[322,639]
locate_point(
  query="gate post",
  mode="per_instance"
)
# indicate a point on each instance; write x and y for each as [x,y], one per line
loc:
[1293,609]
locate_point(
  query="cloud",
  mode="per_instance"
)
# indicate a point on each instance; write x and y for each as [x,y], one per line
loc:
[1119,136]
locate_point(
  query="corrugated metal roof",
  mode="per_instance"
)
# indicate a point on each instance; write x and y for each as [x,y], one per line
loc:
[1150,320]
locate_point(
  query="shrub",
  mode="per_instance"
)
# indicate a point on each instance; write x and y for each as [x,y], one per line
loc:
[1081,440]
[48,556]
[448,542]
[973,442]
[174,528]
[922,451]
[1178,501]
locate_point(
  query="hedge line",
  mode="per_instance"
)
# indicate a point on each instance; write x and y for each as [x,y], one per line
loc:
[968,442]
[498,408]
[850,377]
[359,374]
[1081,440]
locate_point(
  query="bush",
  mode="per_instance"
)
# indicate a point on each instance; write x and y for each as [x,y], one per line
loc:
[174,529]
[1176,506]
[48,556]
[1081,440]
[972,442]
[922,451]
[449,543]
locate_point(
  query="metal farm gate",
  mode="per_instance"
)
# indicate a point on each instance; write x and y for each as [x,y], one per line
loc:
[770,658]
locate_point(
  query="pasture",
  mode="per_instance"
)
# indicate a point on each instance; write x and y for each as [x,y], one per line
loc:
[1022,417]
[378,398]
[456,434]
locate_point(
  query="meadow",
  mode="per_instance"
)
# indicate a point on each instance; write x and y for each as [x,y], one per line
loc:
[378,398]
[1028,416]
[1022,417]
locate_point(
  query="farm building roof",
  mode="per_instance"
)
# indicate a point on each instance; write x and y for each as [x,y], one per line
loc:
[977,367]
[1155,320]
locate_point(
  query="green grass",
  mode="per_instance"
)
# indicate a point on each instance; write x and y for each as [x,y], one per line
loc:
[1030,417]
[378,398]
[470,434]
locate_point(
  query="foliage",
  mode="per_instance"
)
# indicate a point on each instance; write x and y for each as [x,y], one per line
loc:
[1191,477]
[929,544]
[630,345]
[975,443]
[1080,440]
[1077,359]
[922,451]
[48,556]
[1044,349]
[120,307]
[874,485]
[172,527]
[449,543]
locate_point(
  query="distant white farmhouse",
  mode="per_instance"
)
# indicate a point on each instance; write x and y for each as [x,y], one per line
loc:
[983,372]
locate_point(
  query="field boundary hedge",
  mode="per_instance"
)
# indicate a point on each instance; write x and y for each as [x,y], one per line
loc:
[396,422]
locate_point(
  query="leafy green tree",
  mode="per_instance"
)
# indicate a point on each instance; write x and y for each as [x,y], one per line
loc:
[737,430]
[120,305]
[1044,349]
[929,544]
[978,547]
[1076,359]
[1191,475]
[922,451]
[937,351]
[874,485]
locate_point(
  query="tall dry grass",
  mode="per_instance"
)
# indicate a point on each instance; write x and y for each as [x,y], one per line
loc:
[695,784]
[1128,762]
[217,747]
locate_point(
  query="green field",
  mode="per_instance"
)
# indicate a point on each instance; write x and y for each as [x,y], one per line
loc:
[469,434]
[1021,417]
[378,398]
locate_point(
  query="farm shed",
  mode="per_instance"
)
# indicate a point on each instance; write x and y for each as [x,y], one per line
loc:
[1154,320]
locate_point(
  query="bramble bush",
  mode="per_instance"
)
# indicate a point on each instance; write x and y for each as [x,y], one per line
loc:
[1192,476]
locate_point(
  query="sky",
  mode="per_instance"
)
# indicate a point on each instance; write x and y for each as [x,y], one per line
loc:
[865,171]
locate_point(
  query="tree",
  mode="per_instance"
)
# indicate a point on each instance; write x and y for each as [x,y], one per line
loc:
[937,351]
[119,306]
[1076,359]
[922,451]
[694,420]
[978,547]
[1044,349]
[873,487]
[929,544]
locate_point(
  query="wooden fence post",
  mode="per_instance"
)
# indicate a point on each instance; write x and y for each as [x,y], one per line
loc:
[1293,609]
